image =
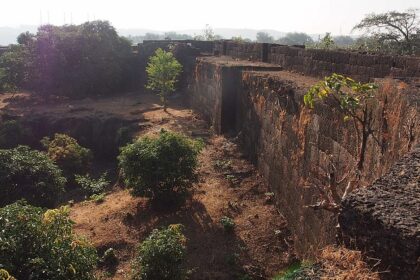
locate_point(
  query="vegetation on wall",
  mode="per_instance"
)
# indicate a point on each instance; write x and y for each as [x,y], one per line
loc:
[38,244]
[29,174]
[161,167]
[356,102]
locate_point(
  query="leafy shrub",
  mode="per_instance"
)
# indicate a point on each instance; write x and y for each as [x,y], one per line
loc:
[4,275]
[37,244]
[160,167]
[12,133]
[98,198]
[227,223]
[68,154]
[161,255]
[29,174]
[300,271]
[92,186]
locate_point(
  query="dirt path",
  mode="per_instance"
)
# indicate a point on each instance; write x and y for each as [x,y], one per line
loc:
[260,246]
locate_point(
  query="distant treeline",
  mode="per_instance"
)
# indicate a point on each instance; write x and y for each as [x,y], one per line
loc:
[294,38]
[154,36]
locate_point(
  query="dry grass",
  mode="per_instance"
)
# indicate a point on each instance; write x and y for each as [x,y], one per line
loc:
[339,263]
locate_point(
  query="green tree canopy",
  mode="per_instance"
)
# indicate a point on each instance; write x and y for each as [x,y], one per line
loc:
[264,37]
[71,60]
[399,29]
[295,38]
[163,71]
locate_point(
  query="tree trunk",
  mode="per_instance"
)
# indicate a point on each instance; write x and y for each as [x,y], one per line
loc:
[165,106]
[365,136]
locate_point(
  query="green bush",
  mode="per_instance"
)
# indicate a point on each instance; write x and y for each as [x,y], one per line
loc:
[162,168]
[68,154]
[227,223]
[4,275]
[38,245]
[299,271]
[97,198]
[12,133]
[161,255]
[29,174]
[92,186]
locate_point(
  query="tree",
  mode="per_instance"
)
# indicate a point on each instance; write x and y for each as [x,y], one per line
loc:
[13,68]
[25,38]
[208,33]
[162,168]
[239,39]
[400,29]
[264,37]
[355,101]
[70,60]
[326,42]
[343,41]
[163,71]
[152,36]
[176,36]
[295,38]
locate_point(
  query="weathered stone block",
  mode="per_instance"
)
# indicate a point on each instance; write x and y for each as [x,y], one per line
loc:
[384,219]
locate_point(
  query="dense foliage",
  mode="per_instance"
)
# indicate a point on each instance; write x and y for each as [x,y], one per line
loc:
[90,185]
[68,154]
[264,37]
[13,74]
[347,94]
[161,255]
[40,245]
[160,167]
[163,71]
[71,60]
[295,38]
[4,275]
[13,133]
[31,175]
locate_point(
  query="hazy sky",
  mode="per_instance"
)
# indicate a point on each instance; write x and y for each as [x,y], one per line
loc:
[311,16]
